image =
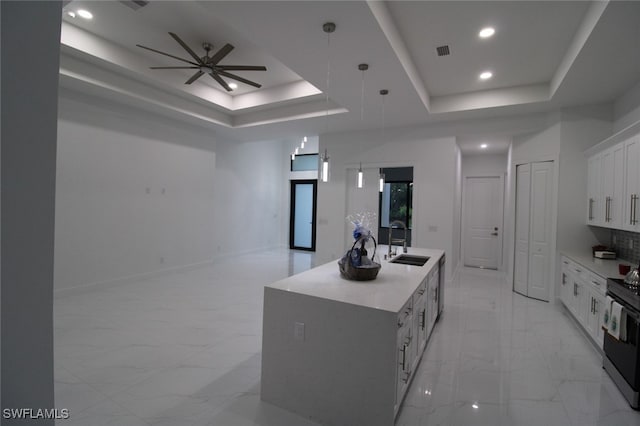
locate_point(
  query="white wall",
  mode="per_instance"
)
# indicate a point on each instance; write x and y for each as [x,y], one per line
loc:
[434,163]
[484,165]
[134,193]
[138,193]
[251,197]
[626,109]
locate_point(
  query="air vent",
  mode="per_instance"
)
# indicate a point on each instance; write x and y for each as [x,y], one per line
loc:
[135,4]
[443,50]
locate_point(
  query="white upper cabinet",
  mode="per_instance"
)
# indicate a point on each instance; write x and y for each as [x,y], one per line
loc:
[613,186]
[595,206]
[631,216]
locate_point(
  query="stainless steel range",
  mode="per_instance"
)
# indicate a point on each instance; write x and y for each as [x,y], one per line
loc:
[622,358]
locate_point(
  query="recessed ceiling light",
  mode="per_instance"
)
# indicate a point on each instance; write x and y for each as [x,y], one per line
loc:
[483,146]
[486,75]
[71,13]
[233,85]
[486,32]
[85,14]
[475,405]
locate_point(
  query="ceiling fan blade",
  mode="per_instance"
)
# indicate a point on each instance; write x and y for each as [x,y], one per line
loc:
[220,81]
[166,54]
[187,48]
[224,51]
[241,68]
[174,68]
[194,77]
[240,79]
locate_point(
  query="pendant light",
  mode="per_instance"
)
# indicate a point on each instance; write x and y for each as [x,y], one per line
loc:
[328,28]
[325,167]
[363,68]
[383,93]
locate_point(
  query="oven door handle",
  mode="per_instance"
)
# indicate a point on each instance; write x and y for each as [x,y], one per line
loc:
[627,308]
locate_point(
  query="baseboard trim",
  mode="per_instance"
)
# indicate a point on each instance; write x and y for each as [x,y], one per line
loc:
[159,272]
[128,278]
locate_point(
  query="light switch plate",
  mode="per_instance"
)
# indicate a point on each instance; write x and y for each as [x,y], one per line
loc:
[298,331]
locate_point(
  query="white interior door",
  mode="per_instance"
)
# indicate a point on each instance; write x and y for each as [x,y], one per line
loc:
[523,196]
[540,230]
[483,221]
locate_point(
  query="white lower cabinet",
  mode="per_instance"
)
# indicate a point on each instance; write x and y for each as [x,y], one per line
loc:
[583,293]
[432,299]
[406,356]
[420,330]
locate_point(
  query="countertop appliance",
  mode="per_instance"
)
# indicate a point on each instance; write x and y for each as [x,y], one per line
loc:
[604,254]
[622,359]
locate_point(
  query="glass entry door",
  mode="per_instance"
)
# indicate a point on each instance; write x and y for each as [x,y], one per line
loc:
[302,233]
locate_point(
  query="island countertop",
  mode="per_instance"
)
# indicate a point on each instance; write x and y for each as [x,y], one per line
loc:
[391,289]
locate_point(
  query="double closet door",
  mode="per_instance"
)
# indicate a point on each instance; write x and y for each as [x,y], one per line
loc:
[533,246]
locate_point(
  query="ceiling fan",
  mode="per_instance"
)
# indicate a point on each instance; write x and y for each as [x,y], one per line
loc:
[209,64]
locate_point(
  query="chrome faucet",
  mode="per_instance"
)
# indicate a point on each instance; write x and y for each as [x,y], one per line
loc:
[398,240]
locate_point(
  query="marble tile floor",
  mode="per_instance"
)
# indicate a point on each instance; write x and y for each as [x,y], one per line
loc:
[183,349]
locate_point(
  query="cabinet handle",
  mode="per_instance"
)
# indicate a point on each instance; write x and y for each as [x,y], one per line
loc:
[423,315]
[631,211]
[608,210]
[634,205]
[565,262]
[590,208]
[406,379]
[564,278]
[404,353]
[592,304]
[400,324]
[595,306]
[575,289]
[596,283]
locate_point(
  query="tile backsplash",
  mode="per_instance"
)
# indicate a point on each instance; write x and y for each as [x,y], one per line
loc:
[621,240]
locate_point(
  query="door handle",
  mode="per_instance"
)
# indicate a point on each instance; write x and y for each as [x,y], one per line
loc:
[590,208]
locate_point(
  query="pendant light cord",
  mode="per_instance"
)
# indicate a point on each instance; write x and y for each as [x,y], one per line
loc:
[328,80]
[362,98]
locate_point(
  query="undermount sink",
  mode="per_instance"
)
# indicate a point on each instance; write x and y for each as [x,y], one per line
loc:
[410,259]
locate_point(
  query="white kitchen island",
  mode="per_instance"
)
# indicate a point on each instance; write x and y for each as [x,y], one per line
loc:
[343,352]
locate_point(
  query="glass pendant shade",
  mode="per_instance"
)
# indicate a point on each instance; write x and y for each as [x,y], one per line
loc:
[325,167]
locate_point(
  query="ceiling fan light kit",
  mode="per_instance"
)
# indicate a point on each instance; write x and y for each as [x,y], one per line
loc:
[208,64]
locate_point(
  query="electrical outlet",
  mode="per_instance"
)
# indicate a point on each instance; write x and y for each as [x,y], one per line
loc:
[298,331]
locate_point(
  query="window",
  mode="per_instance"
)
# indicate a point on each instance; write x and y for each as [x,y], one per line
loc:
[396,203]
[305,162]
